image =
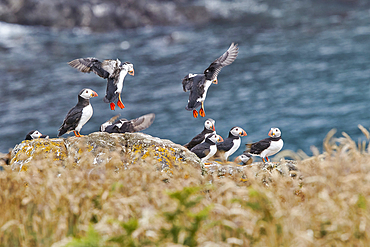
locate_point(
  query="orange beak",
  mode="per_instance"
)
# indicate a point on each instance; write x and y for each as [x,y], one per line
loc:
[132,72]
[270,133]
[220,139]
[243,133]
[237,160]
[213,128]
[94,94]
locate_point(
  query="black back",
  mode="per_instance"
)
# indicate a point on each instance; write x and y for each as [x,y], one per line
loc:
[73,116]
[198,138]
[258,147]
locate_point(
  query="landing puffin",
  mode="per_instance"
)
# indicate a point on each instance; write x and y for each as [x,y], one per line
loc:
[232,143]
[245,158]
[34,134]
[198,84]
[123,125]
[79,114]
[268,146]
[113,70]
[208,148]
[209,128]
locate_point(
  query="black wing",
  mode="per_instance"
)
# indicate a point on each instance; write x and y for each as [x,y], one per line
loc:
[198,139]
[89,64]
[196,92]
[258,147]
[226,59]
[226,145]
[110,93]
[187,82]
[201,150]
[70,121]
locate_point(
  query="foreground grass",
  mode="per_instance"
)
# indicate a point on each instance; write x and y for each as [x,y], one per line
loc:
[326,204]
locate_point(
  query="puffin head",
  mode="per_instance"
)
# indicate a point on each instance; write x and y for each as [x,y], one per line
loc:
[130,68]
[237,131]
[34,134]
[209,124]
[244,158]
[214,138]
[87,93]
[275,132]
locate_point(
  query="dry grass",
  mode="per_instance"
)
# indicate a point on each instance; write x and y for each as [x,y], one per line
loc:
[139,205]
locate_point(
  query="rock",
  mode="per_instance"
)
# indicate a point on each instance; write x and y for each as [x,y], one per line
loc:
[103,15]
[38,149]
[284,167]
[128,148]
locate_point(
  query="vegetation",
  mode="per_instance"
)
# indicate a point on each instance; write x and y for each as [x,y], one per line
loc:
[83,204]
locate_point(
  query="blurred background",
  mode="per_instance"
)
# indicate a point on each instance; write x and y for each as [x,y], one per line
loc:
[303,66]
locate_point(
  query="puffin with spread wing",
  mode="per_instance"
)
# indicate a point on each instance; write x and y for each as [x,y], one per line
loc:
[113,70]
[198,84]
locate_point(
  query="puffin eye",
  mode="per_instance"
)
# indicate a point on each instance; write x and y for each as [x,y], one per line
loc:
[87,91]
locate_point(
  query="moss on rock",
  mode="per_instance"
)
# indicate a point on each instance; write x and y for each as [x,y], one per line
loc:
[101,148]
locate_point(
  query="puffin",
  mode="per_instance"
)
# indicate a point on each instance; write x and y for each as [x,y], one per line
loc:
[123,125]
[208,148]
[79,114]
[209,128]
[245,158]
[268,146]
[34,134]
[198,84]
[113,70]
[232,143]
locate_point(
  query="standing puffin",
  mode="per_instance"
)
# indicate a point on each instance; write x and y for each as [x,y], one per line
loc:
[232,143]
[209,128]
[268,146]
[208,148]
[34,134]
[123,125]
[110,69]
[78,115]
[198,84]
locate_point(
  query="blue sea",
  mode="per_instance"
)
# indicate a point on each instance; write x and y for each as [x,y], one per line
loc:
[302,67]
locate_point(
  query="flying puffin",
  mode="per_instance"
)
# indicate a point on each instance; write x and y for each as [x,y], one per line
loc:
[34,134]
[110,69]
[245,158]
[123,125]
[209,128]
[232,143]
[79,114]
[198,84]
[208,148]
[268,146]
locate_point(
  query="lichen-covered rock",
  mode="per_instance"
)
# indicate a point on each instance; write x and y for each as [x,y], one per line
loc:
[38,149]
[101,147]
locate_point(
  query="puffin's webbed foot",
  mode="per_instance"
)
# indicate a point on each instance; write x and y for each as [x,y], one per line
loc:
[120,104]
[202,112]
[195,113]
[77,134]
[112,106]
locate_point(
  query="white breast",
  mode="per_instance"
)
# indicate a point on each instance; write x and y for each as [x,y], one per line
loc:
[121,77]
[233,149]
[274,147]
[207,84]
[212,151]
[87,112]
